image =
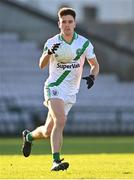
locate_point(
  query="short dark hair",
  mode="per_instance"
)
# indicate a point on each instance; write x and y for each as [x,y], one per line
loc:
[66,11]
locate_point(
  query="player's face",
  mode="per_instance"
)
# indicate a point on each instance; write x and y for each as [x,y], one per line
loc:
[67,25]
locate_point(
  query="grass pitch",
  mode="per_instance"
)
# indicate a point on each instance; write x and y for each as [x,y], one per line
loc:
[89,158]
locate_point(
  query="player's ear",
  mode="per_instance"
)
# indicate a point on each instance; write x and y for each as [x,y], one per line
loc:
[74,24]
[59,24]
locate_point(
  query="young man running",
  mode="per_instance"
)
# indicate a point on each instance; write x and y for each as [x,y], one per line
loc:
[62,84]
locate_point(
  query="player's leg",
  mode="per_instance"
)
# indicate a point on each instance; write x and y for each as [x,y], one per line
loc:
[57,110]
[39,133]
[43,131]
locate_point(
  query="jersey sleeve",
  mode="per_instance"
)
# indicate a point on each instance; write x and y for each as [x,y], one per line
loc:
[90,52]
[47,46]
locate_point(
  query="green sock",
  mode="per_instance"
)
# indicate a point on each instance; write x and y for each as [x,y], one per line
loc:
[56,156]
[29,137]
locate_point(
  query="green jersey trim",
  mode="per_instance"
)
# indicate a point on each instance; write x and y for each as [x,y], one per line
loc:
[60,79]
[45,49]
[48,92]
[81,51]
[75,36]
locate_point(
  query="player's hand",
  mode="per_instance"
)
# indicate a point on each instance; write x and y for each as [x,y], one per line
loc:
[53,49]
[89,80]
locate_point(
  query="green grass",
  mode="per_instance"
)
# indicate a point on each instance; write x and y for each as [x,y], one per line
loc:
[89,158]
[81,166]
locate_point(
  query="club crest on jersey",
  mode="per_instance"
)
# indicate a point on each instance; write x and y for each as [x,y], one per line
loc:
[78,54]
[78,51]
[55,92]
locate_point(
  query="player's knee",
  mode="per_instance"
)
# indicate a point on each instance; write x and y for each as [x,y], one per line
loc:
[46,131]
[46,134]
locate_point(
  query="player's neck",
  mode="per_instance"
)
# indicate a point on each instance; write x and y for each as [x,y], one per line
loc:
[68,38]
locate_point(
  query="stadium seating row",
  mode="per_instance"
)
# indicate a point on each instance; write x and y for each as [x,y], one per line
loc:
[103,108]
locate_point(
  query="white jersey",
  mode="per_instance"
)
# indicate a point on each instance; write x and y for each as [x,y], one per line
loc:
[67,76]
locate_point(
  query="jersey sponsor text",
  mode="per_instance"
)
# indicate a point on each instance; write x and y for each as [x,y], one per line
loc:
[68,66]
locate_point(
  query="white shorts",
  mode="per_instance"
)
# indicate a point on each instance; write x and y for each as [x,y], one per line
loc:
[56,92]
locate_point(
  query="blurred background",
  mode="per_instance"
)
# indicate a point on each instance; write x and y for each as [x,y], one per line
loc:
[108,108]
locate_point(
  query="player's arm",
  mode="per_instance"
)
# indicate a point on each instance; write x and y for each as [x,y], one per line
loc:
[94,66]
[94,71]
[44,59]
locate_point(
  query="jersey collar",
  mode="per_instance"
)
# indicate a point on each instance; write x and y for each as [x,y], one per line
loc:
[75,36]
